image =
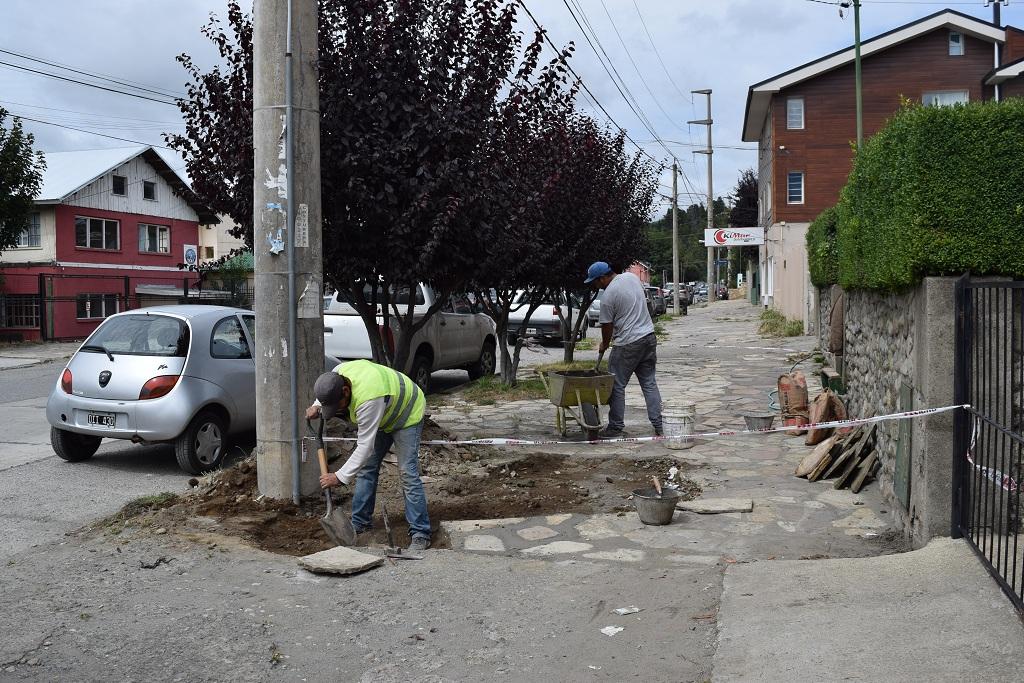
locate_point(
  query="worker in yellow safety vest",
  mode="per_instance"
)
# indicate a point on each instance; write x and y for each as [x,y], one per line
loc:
[387,408]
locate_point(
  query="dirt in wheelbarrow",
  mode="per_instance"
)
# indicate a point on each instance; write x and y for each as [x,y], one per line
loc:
[460,483]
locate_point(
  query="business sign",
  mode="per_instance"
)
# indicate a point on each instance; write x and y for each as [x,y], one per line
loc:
[734,237]
[191,254]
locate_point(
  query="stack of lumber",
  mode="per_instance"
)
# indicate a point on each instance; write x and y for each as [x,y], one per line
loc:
[851,458]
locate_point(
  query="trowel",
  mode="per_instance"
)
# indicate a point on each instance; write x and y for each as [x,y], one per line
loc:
[336,524]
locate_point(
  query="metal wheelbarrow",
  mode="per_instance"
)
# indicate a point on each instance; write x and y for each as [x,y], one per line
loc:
[578,396]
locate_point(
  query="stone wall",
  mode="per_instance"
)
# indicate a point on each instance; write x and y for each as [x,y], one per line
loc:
[892,341]
[824,308]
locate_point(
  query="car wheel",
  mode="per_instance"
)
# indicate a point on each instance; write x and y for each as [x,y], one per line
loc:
[420,372]
[201,447]
[485,365]
[73,447]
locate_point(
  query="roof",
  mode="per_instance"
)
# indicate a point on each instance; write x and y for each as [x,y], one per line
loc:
[68,172]
[188,311]
[759,95]
[1005,72]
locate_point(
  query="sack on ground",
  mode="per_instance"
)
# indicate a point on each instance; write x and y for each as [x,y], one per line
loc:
[821,411]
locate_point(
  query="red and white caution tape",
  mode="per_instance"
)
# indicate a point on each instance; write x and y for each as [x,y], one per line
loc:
[1005,481]
[704,435]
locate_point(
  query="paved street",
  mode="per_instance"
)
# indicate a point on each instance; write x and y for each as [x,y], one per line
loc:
[521,599]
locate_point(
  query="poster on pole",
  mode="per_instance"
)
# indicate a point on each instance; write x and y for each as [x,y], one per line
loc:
[734,237]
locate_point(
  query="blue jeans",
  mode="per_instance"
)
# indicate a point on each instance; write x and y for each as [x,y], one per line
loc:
[407,446]
[640,358]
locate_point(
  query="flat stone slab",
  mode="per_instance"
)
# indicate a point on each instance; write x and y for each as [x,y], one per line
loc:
[714,506]
[483,542]
[340,560]
[468,525]
[536,533]
[558,548]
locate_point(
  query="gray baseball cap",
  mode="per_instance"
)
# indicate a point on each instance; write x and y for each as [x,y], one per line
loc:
[328,390]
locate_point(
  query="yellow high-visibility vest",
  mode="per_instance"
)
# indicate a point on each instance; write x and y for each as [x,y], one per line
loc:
[406,404]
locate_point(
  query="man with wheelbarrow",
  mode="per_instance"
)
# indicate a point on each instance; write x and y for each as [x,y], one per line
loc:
[387,407]
[625,320]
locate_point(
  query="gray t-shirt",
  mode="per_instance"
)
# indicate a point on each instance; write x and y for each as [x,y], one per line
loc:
[624,305]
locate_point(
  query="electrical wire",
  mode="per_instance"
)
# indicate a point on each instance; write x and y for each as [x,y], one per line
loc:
[105,77]
[583,85]
[85,83]
[92,132]
[658,54]
[88,113]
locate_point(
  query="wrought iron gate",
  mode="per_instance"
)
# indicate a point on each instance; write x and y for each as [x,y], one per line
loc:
[988,443]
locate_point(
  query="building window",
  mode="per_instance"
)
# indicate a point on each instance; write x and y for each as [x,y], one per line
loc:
[96,233]
[945,98]
[30,237]
[154,239]
[795,113]
[96,306]
[956,44]
[148,190]
[208,252]
[795,187]
[120,185]
[19,310]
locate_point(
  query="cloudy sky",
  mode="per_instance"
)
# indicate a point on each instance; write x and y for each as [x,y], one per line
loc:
[724,45]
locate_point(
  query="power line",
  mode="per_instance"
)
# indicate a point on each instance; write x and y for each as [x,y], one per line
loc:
[88,113]
[544,36]
[612,72]
[658,54]
[747,148]
[105,77]
[91,85]
[643,81]
[92,132]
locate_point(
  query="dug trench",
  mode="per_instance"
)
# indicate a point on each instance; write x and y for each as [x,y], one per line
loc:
[460,482]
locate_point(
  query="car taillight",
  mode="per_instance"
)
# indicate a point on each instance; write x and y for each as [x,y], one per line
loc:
[65,381]
[158,386]
[389,338]
[554,311]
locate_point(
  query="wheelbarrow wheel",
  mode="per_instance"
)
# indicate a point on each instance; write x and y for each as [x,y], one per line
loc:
[592,417]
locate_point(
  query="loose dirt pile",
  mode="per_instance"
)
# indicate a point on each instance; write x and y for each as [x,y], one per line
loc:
[460,482]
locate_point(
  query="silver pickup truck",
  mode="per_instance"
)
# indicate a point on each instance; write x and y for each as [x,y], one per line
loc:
[454,338]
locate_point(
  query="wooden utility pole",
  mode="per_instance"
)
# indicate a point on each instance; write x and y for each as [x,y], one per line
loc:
[286,239]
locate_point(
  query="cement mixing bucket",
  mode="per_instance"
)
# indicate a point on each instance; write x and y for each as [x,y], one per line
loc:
[678,422]
[655,509]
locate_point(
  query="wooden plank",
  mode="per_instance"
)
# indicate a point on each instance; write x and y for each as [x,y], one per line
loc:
[844,457]
[833,453]
[851,468]
[864,471]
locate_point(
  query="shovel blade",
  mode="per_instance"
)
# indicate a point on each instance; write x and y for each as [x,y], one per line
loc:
[338,528]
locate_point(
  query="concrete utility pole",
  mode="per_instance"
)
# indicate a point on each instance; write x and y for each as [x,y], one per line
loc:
[675,237]
[712,252]
[286,239]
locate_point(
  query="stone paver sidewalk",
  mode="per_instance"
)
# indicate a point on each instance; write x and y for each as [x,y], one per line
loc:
[714,359]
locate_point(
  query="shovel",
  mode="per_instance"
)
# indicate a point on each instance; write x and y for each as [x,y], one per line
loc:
[335,523]
[393,551]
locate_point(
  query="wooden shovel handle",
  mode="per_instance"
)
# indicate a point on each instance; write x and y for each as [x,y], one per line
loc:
[657,485]
[321,452]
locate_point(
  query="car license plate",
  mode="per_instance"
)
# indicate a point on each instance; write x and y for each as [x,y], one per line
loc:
[531,330]
[101,419]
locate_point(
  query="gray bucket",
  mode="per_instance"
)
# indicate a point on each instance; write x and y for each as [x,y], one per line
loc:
[654,509]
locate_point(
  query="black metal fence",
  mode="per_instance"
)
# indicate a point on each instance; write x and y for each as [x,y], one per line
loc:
[988,443]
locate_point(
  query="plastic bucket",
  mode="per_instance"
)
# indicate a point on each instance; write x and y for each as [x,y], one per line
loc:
[678,423]
[655,509]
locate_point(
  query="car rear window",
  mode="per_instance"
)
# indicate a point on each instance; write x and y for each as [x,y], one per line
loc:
[140,335]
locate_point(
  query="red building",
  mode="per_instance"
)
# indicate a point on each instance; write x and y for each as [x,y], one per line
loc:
[804,122]
[110,230]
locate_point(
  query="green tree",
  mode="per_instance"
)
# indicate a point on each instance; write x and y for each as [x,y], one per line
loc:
[21,177]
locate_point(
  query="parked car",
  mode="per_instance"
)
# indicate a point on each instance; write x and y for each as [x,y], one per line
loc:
[594,312]
[544,323]
[177,374]
[656,300]
[454,338]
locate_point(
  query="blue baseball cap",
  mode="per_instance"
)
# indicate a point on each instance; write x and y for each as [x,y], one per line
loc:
[596,270]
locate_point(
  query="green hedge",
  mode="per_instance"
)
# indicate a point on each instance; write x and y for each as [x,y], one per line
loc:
[822,256]
[938,191]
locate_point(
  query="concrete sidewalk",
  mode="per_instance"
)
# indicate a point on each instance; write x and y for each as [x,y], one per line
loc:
[933,614]
[34,353]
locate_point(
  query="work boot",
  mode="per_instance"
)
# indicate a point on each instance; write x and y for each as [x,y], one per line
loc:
[611,433]
[419,544]
[658,431]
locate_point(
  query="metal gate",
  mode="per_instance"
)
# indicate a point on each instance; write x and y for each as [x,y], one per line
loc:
[988,442]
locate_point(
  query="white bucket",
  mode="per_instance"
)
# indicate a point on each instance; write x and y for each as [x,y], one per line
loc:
[678,423]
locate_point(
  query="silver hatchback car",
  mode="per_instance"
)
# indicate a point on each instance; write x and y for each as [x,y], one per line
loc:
[178,374]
